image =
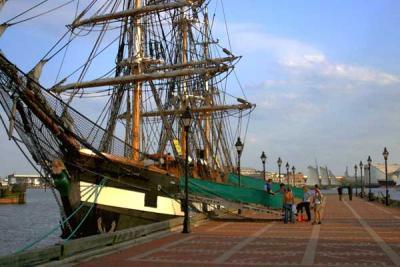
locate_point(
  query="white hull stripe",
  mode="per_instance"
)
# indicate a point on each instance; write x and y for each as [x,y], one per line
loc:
[128,199]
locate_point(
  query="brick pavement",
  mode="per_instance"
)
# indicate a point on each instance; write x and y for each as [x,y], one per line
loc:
[356,233]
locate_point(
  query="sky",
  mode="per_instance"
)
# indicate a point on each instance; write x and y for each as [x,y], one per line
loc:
[324,75]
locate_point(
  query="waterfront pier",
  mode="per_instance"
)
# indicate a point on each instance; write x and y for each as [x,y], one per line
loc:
[352,233]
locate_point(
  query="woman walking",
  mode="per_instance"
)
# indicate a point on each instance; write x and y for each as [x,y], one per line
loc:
[317,202]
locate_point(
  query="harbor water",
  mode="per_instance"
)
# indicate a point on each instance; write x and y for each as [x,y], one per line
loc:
[380,191]
[22,224]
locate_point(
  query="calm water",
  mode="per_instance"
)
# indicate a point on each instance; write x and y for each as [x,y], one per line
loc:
[394,194]
[22,224]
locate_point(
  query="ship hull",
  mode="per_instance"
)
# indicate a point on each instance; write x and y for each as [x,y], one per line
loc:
[124,208]
[132,195]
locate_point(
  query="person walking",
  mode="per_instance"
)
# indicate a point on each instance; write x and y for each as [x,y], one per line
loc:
[340,192]
[350,193]
[317,203]
[288,205]
[268,187]
[305,204]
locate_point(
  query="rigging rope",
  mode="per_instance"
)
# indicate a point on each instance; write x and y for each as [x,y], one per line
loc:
[62,223]
[38,15]
[26,11]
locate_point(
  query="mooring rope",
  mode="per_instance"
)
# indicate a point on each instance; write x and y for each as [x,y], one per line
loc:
[104,180]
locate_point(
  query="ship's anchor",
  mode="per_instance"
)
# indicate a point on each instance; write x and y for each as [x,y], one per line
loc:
[102,229]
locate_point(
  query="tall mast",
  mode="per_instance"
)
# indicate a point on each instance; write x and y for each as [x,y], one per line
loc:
[184,26]
[137,90]
[159,86]
[207,93]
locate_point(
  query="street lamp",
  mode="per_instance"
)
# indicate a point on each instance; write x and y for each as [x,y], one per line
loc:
[239,149]
[287,172]
[369,160]
[294,175]
[361,178]
[263,160]
[355,177]
[385,156]
[279,168]
[186,120]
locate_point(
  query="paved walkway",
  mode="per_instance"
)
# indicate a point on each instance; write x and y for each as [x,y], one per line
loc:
[353,233]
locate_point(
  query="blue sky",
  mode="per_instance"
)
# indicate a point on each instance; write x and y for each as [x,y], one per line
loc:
[324,75]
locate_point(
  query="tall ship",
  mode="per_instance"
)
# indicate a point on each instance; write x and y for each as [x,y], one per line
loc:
[125,73]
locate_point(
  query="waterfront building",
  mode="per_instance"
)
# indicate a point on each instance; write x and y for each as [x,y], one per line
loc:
[31,180]
[249,172]
[378,173]
[3,181]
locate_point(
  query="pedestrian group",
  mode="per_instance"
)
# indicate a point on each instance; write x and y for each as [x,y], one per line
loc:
[312,199]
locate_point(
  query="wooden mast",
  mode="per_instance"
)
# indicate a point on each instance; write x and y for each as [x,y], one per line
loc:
[207,93]
[137,90]
[184,26]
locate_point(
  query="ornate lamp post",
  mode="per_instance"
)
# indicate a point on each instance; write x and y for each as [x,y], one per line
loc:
[239,149]
[287,171]
[361,179]
[385,156]
[355,177]
[279,169]
[369,160]
[263,160]
[294,175]
[186,120]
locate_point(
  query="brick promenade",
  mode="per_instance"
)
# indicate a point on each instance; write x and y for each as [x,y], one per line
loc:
[356,233]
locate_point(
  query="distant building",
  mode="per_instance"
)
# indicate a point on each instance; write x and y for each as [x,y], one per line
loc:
[249,172]
[299,177]
[378,173]
[31,180]
[3,181]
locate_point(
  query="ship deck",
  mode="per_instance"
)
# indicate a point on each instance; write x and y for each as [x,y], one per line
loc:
[352,233]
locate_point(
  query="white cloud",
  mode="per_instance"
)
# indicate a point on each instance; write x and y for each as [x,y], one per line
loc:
[319,66]
[301,58]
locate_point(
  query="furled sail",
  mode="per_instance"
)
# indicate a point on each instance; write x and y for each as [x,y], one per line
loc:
[3,27]
[36,72]
[2,2]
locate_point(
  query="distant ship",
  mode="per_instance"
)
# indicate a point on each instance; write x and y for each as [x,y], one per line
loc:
[321,176]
